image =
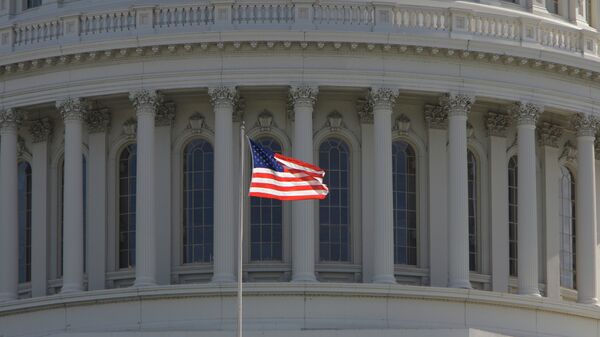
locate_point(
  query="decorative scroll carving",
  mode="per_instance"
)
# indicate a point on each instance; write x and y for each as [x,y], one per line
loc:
[365,110]
[549,134]
[223,95]
[436,117]
[303,94]
[130,127]
[402,124]
[11,118]
[526,113]
[21,147]
[71,108]
[239,110]
[457,104]
[41,130]
[265,121]
[470,130]
[385,97]
[98,120]
[585,125]
[146,101]
[497,124]
[165,114]
[334,120]
[569,153]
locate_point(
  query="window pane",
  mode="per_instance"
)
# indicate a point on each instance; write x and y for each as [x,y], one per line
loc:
[473,223]
[127,177]
[405,202]
[24,204]
[567,243]
[512,215]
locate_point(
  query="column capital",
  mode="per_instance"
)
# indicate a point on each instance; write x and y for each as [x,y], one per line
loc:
[365,110]
[457,104]
[585,125]
[11,118]
[71,108]
[436,117]
[98,120]
[165,115]
[497,124]
[549,134]
[526,113]
[41,130]
[223,95]
[303,94]
[145,100]
[383,97]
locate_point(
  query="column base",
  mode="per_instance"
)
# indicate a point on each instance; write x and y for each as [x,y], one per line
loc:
[384,279]
[531,292]
[223,278]
[5,297]
[144,282]
[589,301]
[459,284]
[70,288]
[304,277]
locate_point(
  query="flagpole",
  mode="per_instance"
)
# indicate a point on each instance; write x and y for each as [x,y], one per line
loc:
[241,230]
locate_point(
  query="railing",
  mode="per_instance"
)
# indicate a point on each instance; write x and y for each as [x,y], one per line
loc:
[344,16]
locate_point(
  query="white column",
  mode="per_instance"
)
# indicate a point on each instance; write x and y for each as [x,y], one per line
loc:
[586,209]
[365,114]
[41,131]
[9,222]
[146,103]
[98,122]
[72,111]
[458,107]
[497,124]
[549,136]
[383,263]
[303,99]
[436,118]
[164,124]
[526,115]
[223,100]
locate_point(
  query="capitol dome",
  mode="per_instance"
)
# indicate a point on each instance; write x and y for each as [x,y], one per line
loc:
[458,140]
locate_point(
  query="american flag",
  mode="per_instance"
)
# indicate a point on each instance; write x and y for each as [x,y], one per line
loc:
[279,177]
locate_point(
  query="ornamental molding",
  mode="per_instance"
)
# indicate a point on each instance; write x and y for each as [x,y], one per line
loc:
[41,130]
[402,124]
[145,100]
[364,107]
[436,117]
[303,94]
[239,110]
[223,95]
[11,118]
[72,108]
[569,153]
[264,121]
[470,130]
[457,104]
[197,123]
[526,113]
[497,124]
[383,97]
[584,125]
[22,150]
[335,121]
[597,147]
[130,128]
[165,114]
[98,119]
[549,134]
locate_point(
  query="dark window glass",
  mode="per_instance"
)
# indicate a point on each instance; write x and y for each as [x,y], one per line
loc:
[588,12]
[127,189]
[198,194]
[568,272]
[334,222]
[24,183]
[512,215]
[404,172]
[473,223]
[266,219]
[33,3]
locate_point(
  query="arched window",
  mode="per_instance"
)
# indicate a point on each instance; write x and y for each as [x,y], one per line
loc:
[127,190]
[404,173]
[266,219]
[24,195]
[198,195]
[61,212]
[472,174]
[568,275]
[334,222]
[512,215]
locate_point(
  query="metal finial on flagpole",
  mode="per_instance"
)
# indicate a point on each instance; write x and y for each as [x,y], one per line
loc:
[241,230]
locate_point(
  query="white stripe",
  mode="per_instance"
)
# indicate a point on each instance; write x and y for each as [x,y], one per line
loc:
[286,193]
[298,167]
[286,183]
[285,174]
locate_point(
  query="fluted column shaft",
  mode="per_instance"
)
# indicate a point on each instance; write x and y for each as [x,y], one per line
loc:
[586,210]
[383,100]
[303,223]
[526,116]
[72,113]
[458,107]
[145,103]
[9,222]
[223,100]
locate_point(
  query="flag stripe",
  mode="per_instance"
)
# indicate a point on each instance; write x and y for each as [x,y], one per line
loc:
[286,193]
[283,176]
[271,196]
[266,180]
[290,188]
[295,163]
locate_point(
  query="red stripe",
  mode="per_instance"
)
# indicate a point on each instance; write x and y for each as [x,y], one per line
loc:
[292,170]
[298,162]
[290,188]
[274,177]
[278,197]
